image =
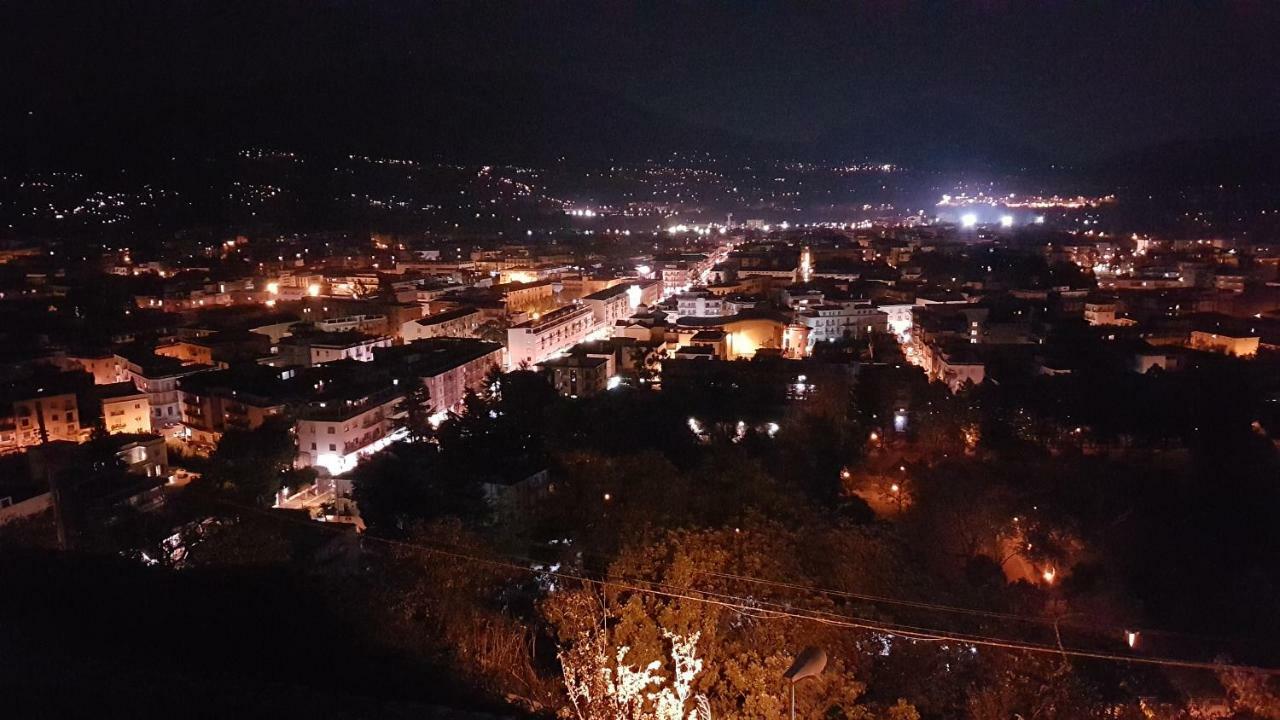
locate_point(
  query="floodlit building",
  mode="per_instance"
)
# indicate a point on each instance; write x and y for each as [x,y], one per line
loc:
[609,305]
[1225,342]
[158,377]
[532,341]
[242,398]
[316,348]
[448,367]
[347,420]
[105,367]
[125,408]
[699,303]
[835,321]
[46,416]
[458,322]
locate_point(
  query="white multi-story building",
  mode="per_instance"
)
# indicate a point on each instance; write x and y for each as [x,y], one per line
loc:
[158,376]
[833,321]
[371,324]
[610,305]
[676,277]
[335,434]
[125,408]
[448,366]
[898,316]
[317,348]
[457,322]
[699,303]
[533,341]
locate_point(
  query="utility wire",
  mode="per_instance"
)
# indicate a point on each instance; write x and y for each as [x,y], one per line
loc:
[919,604]
[750,606]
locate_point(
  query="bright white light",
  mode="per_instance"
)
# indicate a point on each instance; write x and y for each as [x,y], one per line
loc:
[771,428]
[273,288]
[1006,221]
[968,220]
[313,289]
[613,382]
[634,293]
[1039,220]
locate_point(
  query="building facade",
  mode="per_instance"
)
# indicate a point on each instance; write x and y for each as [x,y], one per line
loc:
[533,341]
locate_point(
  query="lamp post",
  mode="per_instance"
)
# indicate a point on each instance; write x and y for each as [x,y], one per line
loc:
[809,663]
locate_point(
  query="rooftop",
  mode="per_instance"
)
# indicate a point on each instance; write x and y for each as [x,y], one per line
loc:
[434,355]
[447,315]
[575,361]
[117,390]
[609,293]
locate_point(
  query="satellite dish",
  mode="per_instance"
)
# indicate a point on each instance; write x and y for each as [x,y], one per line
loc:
[809,663]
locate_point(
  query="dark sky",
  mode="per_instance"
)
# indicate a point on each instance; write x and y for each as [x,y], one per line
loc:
[1031,81]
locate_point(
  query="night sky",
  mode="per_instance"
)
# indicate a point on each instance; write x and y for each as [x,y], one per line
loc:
[1015,82]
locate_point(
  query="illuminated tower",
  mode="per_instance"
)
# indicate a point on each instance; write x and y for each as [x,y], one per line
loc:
[806,264]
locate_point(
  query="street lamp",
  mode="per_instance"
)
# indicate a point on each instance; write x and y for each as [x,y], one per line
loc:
[809,663]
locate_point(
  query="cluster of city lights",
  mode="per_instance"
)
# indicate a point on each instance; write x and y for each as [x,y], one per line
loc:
[971,220]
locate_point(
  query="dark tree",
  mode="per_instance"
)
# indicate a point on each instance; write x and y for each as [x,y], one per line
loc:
[251,465]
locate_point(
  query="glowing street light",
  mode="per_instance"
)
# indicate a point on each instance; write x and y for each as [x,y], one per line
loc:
[1131,638]
[1006,221]
[1049,574]
[968,220]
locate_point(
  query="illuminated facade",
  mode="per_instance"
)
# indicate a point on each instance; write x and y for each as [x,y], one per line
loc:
[833,321]
[699,303]
[533,341]
[334,435]
[610,305]
[125,408]
[457,322]
[46,417]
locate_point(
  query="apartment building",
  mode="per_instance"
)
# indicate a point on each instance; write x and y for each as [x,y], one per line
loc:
[448,367]
[532,341]
[125,408]
[457,322]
